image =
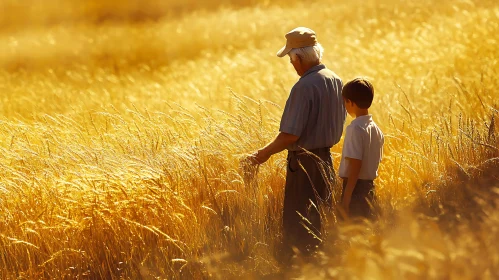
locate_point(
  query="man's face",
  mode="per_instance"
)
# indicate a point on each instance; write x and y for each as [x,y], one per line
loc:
[297,65]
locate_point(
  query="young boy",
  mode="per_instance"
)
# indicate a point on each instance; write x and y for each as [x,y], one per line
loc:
[362,150]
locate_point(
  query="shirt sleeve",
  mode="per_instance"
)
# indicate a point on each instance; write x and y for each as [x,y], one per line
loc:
[296,111]
[352,147]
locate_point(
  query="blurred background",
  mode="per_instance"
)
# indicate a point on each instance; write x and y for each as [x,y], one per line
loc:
[20,14]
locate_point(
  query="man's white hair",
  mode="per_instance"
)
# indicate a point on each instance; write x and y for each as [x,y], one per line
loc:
[308,54]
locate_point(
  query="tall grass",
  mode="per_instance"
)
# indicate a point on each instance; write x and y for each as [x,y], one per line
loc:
[121,144]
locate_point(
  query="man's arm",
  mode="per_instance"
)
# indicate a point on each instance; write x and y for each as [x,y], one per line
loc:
[354,166]
[280,143]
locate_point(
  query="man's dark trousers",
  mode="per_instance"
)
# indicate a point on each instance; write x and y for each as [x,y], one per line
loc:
[309,181]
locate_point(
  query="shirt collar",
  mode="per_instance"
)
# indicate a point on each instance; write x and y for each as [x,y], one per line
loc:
[315,68]
[363,119]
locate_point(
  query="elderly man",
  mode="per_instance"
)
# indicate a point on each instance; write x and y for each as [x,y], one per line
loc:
[311,124]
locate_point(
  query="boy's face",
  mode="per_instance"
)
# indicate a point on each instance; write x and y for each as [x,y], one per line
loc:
[349,106]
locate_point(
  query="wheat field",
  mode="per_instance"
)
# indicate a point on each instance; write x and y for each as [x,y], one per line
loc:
[123,125]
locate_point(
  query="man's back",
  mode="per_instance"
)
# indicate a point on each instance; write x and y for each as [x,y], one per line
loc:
[314,110]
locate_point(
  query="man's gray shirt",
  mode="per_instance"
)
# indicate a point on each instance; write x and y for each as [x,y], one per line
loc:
[314,110]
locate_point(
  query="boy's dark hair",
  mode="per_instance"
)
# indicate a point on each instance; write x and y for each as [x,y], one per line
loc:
[360,91]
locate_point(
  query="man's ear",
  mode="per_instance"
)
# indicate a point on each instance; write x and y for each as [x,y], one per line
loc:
[299,58]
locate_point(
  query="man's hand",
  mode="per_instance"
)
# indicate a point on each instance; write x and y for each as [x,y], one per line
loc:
[258,157]
[277,145]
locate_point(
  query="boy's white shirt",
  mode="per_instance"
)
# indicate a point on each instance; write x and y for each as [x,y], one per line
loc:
[364,141]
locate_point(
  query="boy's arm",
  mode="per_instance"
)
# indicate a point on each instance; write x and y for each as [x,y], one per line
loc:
[354,166]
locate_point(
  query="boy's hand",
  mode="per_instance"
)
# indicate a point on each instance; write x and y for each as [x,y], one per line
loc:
[353,176]
[345,204]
